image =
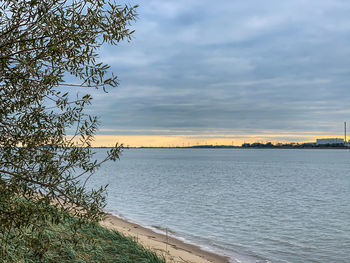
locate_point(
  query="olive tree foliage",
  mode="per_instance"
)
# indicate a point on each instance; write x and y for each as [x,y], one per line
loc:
[45,133]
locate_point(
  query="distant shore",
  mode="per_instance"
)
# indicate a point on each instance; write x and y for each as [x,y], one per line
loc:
[172,249]
[300,147]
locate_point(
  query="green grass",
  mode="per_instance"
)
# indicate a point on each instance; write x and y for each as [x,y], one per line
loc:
[91,243]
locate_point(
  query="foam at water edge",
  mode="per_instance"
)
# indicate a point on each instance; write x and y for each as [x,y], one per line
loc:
[233,257]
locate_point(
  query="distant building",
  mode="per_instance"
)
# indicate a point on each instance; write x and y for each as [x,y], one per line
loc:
[330,141]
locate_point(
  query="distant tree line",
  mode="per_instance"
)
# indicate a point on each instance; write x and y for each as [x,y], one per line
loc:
[292,145]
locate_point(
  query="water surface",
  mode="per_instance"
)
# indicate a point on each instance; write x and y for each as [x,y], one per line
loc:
[255,205]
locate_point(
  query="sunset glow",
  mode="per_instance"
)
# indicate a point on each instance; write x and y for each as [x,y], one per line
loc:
[208,139]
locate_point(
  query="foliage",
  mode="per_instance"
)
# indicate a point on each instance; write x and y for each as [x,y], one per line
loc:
[45,158]
[91,243]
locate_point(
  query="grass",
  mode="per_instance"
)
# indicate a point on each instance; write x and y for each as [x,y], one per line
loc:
[90,243]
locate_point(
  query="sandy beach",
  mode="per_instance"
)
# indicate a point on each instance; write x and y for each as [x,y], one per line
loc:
[172,249]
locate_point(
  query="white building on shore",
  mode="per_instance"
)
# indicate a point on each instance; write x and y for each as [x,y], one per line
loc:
[330,141]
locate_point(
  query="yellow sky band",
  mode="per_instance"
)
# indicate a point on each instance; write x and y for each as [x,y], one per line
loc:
[207,139]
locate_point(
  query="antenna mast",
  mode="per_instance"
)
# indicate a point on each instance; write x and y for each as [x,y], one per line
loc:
[345,133]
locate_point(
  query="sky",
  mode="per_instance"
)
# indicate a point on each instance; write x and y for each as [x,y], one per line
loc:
[228,72]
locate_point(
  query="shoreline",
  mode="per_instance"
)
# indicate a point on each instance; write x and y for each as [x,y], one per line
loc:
[172,249]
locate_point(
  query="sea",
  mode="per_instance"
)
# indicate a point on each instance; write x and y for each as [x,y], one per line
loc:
[252,205]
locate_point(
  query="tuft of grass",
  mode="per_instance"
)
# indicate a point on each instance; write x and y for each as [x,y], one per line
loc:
[87,243]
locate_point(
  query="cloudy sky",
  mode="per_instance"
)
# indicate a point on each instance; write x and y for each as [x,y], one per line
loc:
[200,71]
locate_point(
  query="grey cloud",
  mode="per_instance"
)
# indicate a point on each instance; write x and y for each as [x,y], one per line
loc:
[232,65]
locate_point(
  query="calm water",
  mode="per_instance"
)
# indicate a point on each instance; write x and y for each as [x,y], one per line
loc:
[250,204]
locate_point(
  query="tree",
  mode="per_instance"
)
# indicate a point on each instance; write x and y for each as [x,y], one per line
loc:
[45,136]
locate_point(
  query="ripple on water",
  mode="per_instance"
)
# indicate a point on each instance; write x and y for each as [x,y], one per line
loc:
[256,205]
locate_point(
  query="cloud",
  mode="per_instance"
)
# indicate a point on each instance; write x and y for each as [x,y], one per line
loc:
[231,65]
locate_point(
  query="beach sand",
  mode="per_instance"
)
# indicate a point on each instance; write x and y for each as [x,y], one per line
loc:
[172,249]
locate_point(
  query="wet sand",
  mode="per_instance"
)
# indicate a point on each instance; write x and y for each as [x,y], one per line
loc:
[172,249]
